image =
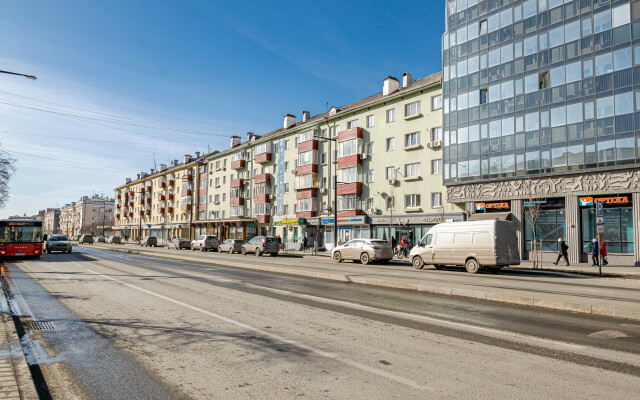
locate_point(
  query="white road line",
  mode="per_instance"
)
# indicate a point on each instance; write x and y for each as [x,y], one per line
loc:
[292,342]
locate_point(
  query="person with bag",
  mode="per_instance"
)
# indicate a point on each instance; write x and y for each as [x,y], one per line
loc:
[562,252]
[603,252]
[595,251]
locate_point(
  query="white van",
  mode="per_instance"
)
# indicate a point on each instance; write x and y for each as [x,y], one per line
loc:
[475,244]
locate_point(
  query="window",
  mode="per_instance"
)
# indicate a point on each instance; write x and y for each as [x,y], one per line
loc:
[369,203]
[260,149]
[348,175]
[602,21]
[391,115]
[370,148]
[371,121]
[436,167]
[335,130]
[436,134]
[436,200]
[390,203]
[621,15]
[348,202]
[412,201]
[306,181]
[604,64]
[307,157]
[484,25]
[412,109]
[323,158]
[390,173]
[286,165]
[349,147]
[287,145]
[436,102]
[483,96]
[412,170]
[286,188]
[543,79]
[370,176]
[352,124]
[391,144]
[306,136]
[263,209]
[305,205]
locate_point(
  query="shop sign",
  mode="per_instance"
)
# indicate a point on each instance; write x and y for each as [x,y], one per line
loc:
[533,203]
[345,226]
[410,220]
[483,206]
[288,222]
[588,201]
[349,220]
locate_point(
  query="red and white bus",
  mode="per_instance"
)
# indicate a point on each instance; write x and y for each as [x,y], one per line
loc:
[20,238]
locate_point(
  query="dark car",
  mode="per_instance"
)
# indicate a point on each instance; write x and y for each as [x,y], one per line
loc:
[58,243]
[179,243]
[101,239]
[114,240]
[149,241]
[231,245]
[86,239]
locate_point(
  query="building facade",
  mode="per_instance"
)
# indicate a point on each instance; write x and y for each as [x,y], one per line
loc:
[51,222]
[91,215]
[540,101]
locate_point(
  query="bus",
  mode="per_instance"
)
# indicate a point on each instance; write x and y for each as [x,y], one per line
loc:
[20,238]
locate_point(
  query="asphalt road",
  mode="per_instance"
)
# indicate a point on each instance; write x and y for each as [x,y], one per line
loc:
[130,326]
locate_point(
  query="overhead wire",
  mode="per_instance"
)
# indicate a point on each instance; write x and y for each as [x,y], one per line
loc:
[70,162]
[93,140]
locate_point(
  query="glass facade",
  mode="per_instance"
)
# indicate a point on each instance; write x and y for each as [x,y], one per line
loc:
[539,86]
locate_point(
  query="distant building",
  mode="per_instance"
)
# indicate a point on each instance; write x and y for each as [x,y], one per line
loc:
[91,215]
[51,220]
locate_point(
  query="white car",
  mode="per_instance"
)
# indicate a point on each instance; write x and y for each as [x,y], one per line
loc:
[205,243]
[364,251]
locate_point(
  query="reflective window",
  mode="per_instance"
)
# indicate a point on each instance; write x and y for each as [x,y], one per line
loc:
[621,15]
[604,107]
[531,122]
[474,133]
[543,41]
[462,35]
[507,90]
[572,31]
[494,93]
[494,129]
[573,72]
[574,113]
[530,83]
[587,68]
[558,116]
[529,8]
[494,22]
[586,27]
[622,59]
[517,49]
[462,68]
[606,151]
[557,76]
[472,31]
[589,110]
[506,18]
[473,64]
[556,37]
[530,45]
[602,21]
[604,64]
[507,126]
[506,54]
[624,103]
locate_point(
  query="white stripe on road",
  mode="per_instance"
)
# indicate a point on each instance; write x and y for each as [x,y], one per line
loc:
[292,342]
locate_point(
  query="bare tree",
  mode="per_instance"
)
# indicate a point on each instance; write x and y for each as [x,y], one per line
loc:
[532,213]
[7,168]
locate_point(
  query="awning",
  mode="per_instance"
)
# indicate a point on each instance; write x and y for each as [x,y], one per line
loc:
[507,216]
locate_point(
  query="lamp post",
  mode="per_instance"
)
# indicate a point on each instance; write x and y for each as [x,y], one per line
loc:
[30,77]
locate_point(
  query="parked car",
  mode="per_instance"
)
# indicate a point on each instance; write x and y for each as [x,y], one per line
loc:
[474,244]
[114,240]
[85,239]
[231,245]
[364,251]
[100,239]
[205,242]
[260,245]
[149,241]
[58,243]
[179,243]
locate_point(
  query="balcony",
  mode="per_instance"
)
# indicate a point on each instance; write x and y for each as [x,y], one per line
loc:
[142,189]
[117,216]
[238,164]
[172,182]
[187,177]
[202,207]
[261,198]
[130,214]
[185,207]
[263,219]
[186,193]
[307,169]
[162,197]
[163,185]
[118,206]
[350,188]
[148,200]
[162,210]
[171,196]
[236,201]
[141,201]
[131,203]
[308,145]
[147,213]
[261,178]
[237,183]
[262,158]
[170,210]
[119,196]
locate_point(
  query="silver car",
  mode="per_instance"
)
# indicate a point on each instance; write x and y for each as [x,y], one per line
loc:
[205,243]
[260,245]
[231,245]
[114,240]
[101,239]
[364,251]
[178,243]
[58,243]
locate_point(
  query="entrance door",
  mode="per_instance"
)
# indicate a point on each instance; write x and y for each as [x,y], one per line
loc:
[344,235]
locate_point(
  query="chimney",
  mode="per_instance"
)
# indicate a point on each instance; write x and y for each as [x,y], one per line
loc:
[152,171]
[390,85]
[138,176]
[187,158]
[305,116]
[235,140]
[163,167]
[407,78]
[128,180]
[289,121]
[175,162]
[249,136]
[197,154]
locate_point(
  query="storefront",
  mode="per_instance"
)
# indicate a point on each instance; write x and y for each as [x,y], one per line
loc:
[548,217]
[618,224]
[412,227]
[291,232]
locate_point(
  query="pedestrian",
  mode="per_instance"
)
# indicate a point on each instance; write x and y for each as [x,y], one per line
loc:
[304,244]
[562,252]
[394,242]
[603,252]
[594,253]
[279,241]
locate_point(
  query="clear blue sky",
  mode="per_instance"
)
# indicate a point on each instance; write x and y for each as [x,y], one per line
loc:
[219,67]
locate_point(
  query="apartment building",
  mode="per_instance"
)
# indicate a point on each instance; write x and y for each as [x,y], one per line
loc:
[383,153]
[540,112]
[90,215]
[162,203]
[51,221]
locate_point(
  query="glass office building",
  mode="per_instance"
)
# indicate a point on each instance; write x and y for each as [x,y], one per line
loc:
[545,94]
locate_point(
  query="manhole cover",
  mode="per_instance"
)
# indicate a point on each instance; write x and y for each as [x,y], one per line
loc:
[40,325]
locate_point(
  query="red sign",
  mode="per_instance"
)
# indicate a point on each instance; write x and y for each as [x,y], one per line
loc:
[588,201]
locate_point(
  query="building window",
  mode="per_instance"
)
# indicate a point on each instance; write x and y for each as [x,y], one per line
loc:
[436,102]
[436,200]
[286,188]
[352,124]
[483,27]
[436,134]
[370,148]
[286,209]
[412,109]
[323,158]
[390,203]
[412,139]
[349,147]
[436,167]
[295,142]
[412,170]
[335,130]
[348,202]
[412,201]
[543,80]
[307,157]
[370,176]
[263,209]
[483,95]
[391,115]
[371,121]
[287,145]
[369,203]
[286,165]
[391,144]
[348,175]
[390,173]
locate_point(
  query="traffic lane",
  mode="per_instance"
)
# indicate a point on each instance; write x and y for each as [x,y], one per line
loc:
[589,330]
[362,351]
[99,368]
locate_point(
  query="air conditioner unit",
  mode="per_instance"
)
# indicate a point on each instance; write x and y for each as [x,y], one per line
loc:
[293,171]
[323,190]
[437,143]
[430,144]
[372,210]
[364,156]
[392,181]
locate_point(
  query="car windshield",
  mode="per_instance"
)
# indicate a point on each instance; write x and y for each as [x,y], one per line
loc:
[57,238]
[271,240]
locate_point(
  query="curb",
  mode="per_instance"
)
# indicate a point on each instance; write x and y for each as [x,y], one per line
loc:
[500,297]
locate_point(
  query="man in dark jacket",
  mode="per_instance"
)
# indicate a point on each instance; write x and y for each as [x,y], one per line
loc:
[562,251]
[595,251]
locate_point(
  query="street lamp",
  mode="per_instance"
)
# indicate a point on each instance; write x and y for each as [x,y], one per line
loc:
[30,77]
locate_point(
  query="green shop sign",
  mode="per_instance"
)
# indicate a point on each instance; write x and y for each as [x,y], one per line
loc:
[288,222]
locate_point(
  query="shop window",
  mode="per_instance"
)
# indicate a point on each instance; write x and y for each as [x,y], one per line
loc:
[550,226]
[618,229]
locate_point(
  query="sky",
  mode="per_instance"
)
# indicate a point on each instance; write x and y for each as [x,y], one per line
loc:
[122,84]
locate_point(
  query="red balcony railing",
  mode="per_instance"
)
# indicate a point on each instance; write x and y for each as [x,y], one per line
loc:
[148,200]
[170,210]
[171,182]
[163,185]
[161,210]
[162,197]
[170,196]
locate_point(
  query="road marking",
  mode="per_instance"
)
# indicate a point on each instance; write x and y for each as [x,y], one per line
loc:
[608,334]
[292,342]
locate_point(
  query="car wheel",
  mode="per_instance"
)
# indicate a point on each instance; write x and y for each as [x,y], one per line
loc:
[201,248]
[337,256]
[258,252]
[231,250]
[243,251]
[273,254]
[69,251]
[364,258]
[417,262]
[219,249]
[192,248]
[472,266]
[48,251]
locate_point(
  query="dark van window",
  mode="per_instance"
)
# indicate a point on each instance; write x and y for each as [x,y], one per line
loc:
[271,240]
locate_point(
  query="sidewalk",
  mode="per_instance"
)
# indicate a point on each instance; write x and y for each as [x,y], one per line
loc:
[15,377]
[614,297]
